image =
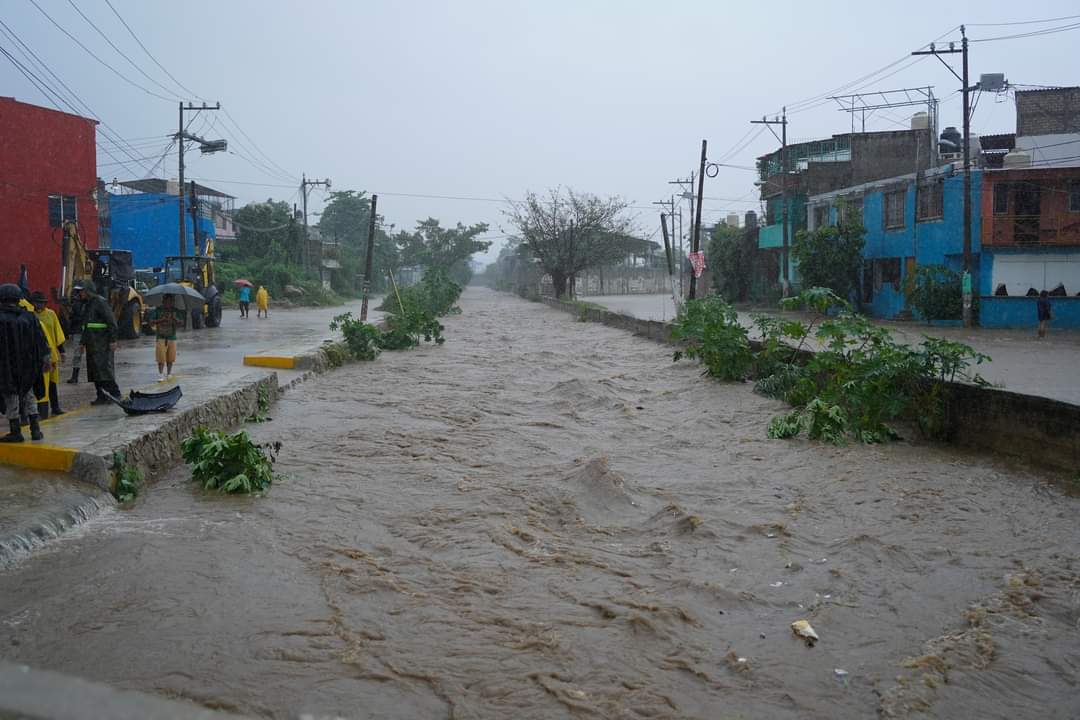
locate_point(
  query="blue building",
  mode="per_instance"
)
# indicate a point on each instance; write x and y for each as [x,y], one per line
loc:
[144,218]
[910,220]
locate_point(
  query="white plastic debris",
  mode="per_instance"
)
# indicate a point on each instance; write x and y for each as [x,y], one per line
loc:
[804,630]
[776,584]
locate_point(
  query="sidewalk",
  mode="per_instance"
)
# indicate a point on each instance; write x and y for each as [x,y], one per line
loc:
[48,486]
[1020,363]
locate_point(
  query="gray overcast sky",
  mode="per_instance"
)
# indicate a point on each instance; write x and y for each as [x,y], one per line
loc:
[487,99]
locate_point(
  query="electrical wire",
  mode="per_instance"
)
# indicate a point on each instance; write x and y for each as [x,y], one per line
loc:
[1033,33]
[91,53]
[29,53]
[114,47]
[149,54]
[1024,22]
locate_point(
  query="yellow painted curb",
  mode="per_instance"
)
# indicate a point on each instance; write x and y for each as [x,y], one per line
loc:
[37,456]
[281,362]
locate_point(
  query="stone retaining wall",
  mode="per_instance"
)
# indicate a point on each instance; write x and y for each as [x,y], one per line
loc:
[1035,429]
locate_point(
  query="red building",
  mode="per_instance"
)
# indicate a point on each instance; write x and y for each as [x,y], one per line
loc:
[48,174]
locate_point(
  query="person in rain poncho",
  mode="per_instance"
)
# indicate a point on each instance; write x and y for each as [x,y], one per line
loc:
[262,302]
[24,356]
[99,341]
[54,335]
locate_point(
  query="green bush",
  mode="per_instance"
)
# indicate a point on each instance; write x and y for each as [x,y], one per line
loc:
[861,381]
[937,293]
[363,339]
[711,333]
[230,463]
[129,480]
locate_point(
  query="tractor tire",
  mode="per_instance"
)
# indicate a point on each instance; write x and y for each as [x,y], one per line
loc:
[130,325]
[196,320]
[213,317]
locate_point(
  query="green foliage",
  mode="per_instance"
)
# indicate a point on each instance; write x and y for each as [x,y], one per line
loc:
[860,381]
[230,463]
[362,339]
[711,333]
[262,406]
[731,258]
[831,256]
[336,355]
[129,480]
[446,250]
[345,221]
[936,293]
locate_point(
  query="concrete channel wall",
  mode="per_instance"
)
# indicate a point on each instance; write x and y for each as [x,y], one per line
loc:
[1038,430]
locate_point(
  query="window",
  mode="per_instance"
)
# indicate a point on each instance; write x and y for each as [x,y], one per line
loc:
[1001,198]
[894,209]
[931,201]
[1027,207]
[851,211]
[821,215]
[887,271]
[1074,196]
[62,208]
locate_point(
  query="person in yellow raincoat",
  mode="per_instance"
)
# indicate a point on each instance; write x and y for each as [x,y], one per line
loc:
[262,302]
[54,334]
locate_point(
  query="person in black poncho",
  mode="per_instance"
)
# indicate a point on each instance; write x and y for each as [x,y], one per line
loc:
[24,357]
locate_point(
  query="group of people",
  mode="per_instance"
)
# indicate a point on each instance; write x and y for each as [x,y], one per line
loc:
[262,302]
[32,343]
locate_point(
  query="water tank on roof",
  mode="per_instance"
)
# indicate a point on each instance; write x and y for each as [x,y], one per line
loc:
[952,139]
[920,121]
[750,219]
[1017,159]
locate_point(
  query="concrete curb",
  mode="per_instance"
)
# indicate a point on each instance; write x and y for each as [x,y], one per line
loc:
[1037,430]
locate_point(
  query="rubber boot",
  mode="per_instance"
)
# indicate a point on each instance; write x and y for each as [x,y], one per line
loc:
[74,379]
[54,400]
[43,409]
[35,429]
[15,435]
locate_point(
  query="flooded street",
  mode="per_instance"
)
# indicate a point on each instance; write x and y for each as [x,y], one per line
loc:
[546,518]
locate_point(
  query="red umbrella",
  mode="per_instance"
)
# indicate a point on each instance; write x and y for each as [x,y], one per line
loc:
[241,281]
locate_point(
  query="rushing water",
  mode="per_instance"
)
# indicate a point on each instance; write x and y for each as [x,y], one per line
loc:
[546,519]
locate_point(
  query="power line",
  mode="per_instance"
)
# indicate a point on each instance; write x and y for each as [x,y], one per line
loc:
[114,47]
[49,94]
[91,53]
[1024,22]
[256,146]
[1033,33]
[148,53]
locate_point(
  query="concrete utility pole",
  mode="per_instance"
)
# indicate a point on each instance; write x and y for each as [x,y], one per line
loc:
[206,147]
[365,289]
[782,122]
[966,87]
[304,185]
[686,186]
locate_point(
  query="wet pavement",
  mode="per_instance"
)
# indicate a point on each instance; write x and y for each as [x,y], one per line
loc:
[37,506]
[549,519]
[1020,362]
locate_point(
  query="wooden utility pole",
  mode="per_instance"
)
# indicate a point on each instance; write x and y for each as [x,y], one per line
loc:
[782,122]
[966,88]
[369,259]
[695,242]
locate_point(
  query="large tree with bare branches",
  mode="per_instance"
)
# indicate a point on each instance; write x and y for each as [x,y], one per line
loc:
[569,232]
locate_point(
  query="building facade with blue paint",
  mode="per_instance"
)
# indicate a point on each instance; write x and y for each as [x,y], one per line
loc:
[911,220]
[148,225]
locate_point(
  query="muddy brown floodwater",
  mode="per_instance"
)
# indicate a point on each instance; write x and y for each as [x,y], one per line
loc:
[549,519]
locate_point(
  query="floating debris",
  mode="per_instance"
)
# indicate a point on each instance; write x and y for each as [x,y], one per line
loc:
[804,630]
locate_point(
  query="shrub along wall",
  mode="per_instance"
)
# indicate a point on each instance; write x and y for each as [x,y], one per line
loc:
[1038,430]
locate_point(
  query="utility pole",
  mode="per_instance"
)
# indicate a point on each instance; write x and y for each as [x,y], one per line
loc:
[366,287]
[205,146]
[194,219]
[686,186]
[304,185]
[695,242]
[966,87]
[782,122]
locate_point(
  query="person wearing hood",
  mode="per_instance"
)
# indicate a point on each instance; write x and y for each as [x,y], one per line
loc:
[99,342]
[54,334]
[262,303]
[24,356]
